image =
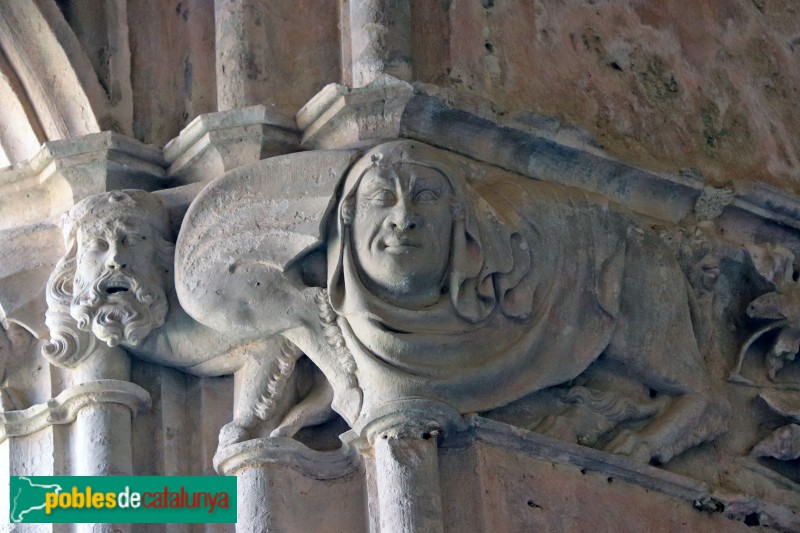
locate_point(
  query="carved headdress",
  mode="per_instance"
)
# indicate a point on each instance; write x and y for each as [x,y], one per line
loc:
[476,282]
[136,204]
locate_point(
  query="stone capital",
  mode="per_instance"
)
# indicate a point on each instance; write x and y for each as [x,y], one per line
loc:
[413,418]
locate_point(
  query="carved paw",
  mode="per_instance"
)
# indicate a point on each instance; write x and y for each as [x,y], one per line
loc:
[576,424]
[287,429]
[632,444]
[231,433]
[558,427]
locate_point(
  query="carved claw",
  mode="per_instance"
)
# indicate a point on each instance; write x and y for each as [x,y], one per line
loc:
[632,444]
[558,427]
[774,364]
[314,409]
[287,429]
[232,433]
[783,444]
[575,424]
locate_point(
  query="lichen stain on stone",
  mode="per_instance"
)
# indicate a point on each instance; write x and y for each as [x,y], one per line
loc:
[665,86]
[657,80]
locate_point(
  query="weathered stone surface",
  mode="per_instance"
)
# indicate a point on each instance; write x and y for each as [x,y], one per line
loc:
[372,271]
[214,143]
[172,65]
[711,86]
[380,40]
[276,53]
[64,172]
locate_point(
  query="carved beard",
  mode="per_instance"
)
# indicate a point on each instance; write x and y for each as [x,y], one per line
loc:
[125,316]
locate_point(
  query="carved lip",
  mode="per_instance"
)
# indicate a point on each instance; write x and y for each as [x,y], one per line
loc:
[116,284]
[400,245]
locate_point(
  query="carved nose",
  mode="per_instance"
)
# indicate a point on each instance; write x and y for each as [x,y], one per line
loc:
[114,262]
[404,224]
[402,219]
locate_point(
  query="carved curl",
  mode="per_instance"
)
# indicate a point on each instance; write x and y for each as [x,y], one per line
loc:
[68,345]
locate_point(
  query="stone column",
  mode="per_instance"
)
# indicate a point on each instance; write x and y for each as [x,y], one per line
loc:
[237,46]
[101,433]
[102,430]
[97,413]
[408,483]
[404,436]
[380,40]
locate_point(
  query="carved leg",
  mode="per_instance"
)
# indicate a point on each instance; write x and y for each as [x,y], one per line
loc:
[654,343]
[312,410]
[688,420]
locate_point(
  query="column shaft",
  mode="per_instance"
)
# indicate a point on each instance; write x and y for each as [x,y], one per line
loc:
[407,471]
[380,37]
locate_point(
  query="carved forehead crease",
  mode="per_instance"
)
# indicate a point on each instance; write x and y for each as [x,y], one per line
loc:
[379,180]
[113,226]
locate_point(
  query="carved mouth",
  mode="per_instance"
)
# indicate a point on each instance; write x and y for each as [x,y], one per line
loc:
[116,284]
[115,289]
[400,245]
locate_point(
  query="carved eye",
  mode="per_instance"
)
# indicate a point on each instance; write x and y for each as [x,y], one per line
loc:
[96,245]
[383,197]
[426,196]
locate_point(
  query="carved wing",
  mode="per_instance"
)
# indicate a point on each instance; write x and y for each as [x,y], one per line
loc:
[29,255]
[245,229]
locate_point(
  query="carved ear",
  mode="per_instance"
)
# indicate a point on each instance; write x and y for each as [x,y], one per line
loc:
[514,289]
[773,262]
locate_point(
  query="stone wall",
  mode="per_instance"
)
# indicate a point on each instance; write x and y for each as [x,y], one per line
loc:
[707,88]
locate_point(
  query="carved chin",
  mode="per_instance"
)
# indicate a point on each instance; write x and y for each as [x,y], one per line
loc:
[126,323]
[118,323]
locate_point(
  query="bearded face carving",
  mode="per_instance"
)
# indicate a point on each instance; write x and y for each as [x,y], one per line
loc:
[119,293]
[112,283]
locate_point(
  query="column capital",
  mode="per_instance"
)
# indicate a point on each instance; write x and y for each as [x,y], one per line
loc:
[410,418]
[231,460]
[64,408]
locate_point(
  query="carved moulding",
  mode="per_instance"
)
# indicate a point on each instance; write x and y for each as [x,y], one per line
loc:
[536,146]
[64,172]
[289,452]
[710,500]
[63,409]
[215,143]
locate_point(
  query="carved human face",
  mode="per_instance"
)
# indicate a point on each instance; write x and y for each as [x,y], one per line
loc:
[401,233]
[119,289]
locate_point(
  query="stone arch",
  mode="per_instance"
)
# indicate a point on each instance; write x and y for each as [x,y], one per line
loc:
[49,83]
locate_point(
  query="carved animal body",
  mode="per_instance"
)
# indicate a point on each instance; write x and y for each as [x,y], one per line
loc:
[542,282]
